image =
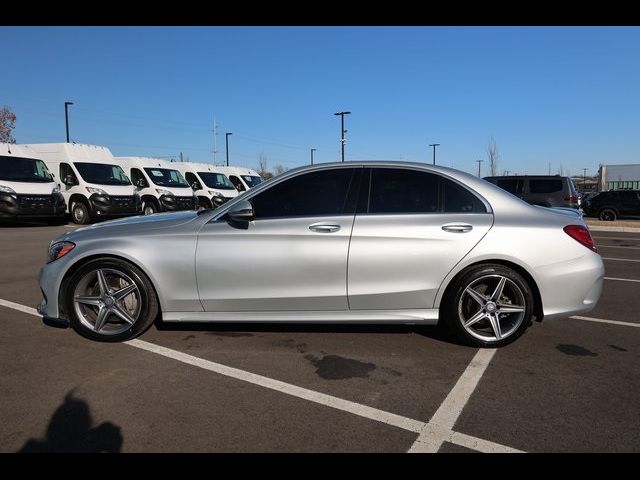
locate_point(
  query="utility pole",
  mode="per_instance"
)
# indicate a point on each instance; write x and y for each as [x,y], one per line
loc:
[342,130]
[215,140]
[180,157]
[549,168]
[506,173]
[312,150]
[479,163]
[434,145]
[66,117]
[584,178]
[226,141]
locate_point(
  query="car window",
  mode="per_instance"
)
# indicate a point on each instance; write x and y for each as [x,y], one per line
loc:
[237,183]
[65,170]
[191,178]
[136,176]
[545,185]
[309,194]
[395,190]
[511,185]
[457,199]
[629,196]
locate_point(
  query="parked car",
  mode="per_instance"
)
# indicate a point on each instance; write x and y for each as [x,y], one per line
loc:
[160,186]
[27,189]
[242,178]
[362,242]
[614,204]
[210,185]
[543,190]
[90,180]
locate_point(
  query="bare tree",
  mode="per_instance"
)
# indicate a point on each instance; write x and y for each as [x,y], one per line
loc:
[493,155]
[7,123]
[262,166]
[278,169]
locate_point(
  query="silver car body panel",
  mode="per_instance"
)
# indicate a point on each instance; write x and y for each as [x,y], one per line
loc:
[205,270]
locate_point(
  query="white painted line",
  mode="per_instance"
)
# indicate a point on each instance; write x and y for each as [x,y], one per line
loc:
[622,279]
[17,306]
[595,228]
[430,440]
[447,414]
[635,238]
[621,259]
[600,320]
[616,246]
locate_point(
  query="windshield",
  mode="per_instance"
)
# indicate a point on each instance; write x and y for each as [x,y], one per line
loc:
[102,174]
[251,180]
[165,177]
[18,169]
[216,180]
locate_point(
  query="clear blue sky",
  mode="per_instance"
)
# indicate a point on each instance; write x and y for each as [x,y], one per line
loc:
[567,96]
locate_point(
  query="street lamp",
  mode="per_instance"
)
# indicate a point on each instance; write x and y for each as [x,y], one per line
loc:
[434,145]
[312,150]
[66,117]
[342,130]
[226,144]
[479,163]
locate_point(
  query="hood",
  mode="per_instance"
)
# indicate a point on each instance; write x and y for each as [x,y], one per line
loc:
[29,188]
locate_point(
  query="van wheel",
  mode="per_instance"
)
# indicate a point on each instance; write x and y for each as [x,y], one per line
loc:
[80,213]
[149,208]
[607,214]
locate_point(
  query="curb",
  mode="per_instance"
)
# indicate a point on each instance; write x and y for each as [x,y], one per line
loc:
[614,229]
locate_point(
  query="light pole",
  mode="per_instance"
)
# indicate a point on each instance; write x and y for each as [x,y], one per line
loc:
[479,163]
[342,130]
[66,117]
[312,150]
[584,179]
[434,145]
[226,144]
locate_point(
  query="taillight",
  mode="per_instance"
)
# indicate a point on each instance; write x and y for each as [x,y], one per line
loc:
[581,234]
[571,198]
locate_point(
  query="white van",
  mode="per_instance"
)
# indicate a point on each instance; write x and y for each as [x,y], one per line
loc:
[242,178]
[161,187]
[27,189]
[90,179]
[211,186]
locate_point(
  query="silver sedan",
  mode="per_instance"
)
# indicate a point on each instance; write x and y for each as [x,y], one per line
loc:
[354,242]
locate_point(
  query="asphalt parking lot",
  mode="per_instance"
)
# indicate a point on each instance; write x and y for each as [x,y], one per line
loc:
[566,385]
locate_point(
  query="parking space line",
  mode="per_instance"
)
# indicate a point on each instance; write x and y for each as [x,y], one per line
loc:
[431,438]
[622,279]
[601,320]
[616,238]
[621,259]
[446,414]
[617,246]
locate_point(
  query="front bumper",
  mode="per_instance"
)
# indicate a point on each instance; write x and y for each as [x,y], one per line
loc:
[111,205]
[170,203]
[31,206]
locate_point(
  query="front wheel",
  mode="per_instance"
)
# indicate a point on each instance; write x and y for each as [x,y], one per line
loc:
[149,208]
[110,300]
[607,214]
[80,213]
[489,306]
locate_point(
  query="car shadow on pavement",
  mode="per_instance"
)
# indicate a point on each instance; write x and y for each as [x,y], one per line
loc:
[70,431]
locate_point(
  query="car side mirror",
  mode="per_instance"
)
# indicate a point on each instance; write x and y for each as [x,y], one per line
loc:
[69,180]
[195,186]
[240,187]
[141,183]
[241,212]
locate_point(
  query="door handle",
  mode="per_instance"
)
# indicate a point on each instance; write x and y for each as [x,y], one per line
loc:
[457,227]
[324,227]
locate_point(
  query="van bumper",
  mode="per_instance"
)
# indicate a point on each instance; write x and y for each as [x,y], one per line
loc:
[171,203]
[14,205]
[114,205]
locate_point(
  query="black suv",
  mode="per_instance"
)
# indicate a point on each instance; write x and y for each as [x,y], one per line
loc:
[543,190]
[614,204]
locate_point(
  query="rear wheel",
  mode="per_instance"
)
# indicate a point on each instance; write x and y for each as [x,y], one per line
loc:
[110,300]
[607,214]
[489,306]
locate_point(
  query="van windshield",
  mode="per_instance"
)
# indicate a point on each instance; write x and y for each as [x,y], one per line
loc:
[216,180]
[251,180]
[165,177]
[102,173]
[18,169]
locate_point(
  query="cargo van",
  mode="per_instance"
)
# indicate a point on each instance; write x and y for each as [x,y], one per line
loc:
[210,184]
[161,187]
[27,189]
[90,180]
[543,190]
[242,178]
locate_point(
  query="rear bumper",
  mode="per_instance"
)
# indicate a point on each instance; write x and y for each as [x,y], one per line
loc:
[31,206]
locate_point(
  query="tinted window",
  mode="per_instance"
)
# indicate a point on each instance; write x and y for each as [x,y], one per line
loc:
[310,194]
[237,183]
[511,185]
[458,199]
[102,173]
[65,170]
[395,190]
[165,177]
[19,169]
[251,180]
[216,180]
[629,196]
[545,186]
[136,176]
[191,178]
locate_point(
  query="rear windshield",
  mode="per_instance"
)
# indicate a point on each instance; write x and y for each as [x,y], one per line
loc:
[165,177]
[550,185]
[18,169]
[216,180]
[102,173]
[251,180]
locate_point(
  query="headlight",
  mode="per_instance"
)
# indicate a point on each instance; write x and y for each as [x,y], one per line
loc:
[163,192]
[99,191]
[6,189]
[215,194]
[59,249]
[55,190]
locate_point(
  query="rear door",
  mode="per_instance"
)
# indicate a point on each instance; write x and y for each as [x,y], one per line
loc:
[629,204]
[409,232]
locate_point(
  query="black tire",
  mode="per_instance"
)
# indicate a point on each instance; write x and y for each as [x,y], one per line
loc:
[453,310]
[149,207]
[607,215]
[149,306]
[204,204]
[80,213]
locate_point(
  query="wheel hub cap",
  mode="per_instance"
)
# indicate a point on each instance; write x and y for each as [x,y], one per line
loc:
[490,307]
